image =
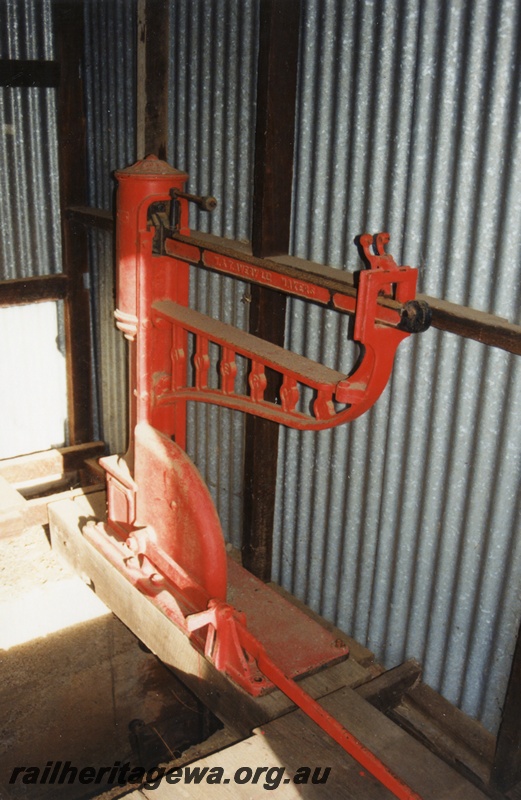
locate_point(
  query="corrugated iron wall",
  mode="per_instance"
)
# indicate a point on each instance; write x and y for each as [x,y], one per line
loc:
[29,193]
[34,411]
[404,526]
[110,93]
[212,99]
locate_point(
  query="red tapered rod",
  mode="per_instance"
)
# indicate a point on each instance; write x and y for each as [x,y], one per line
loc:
[328,723]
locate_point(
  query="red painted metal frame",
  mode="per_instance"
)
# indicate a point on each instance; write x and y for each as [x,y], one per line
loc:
[356,393]
[163,532]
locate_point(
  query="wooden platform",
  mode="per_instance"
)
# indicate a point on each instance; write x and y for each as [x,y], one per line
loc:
[29,483]
[287,745]
[266,731]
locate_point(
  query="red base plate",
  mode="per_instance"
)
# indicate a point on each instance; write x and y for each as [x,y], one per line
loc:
[297,644]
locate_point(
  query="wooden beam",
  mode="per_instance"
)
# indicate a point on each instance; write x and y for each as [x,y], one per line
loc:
[38,466]
[153,61]
[273,175]
[37,289]
[13,509]
[267,320]
[72,154]
[447,731]
[91,217]
[506,771]
[42,74]
[37,508]
[386,690]
[275,126]
[473,324]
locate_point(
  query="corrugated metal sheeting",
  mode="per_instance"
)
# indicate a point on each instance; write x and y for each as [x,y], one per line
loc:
[110,90]
[34,411]
[212,99]
[29,194]
[404,526]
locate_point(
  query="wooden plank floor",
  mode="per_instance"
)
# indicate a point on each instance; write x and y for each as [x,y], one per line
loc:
[282,737]
[279,750]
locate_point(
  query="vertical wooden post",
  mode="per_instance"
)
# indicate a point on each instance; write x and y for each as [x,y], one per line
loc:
[275,126]
[273,174]
[506,771]
[152,99]
[68,22]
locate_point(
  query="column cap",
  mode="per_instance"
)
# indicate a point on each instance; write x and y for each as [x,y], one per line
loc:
[149,167]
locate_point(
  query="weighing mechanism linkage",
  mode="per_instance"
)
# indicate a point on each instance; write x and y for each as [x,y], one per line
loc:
[163,531]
